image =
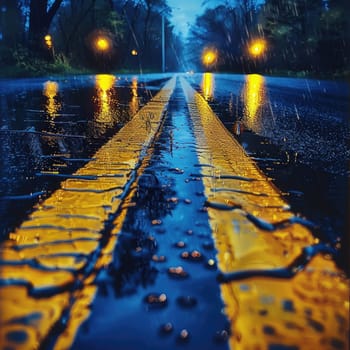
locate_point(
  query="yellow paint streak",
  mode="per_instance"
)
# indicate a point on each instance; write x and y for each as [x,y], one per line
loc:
[37,311]
[67,225]
[308,311]
[81,309]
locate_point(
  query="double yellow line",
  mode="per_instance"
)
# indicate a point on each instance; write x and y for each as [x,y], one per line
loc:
[49,262]
[277,290]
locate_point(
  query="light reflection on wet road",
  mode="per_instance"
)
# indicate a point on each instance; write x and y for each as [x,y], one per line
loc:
[48,265]
[164,265]
[53,127]
[164,231]
[297,131]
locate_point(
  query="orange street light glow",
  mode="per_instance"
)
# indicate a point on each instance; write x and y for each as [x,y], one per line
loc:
[48,41]
[209,57]
[102,44]
[134,53]
[257,48]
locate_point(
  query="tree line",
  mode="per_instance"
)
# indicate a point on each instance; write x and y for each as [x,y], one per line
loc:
[300,35]
[64,33]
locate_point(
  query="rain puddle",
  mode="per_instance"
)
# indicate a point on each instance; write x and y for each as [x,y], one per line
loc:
[161,290]
[50,128]
[297,132]
[55,254]
[270,263]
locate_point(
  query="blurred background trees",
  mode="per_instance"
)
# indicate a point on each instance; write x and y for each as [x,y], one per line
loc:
[67,32]
[308,36]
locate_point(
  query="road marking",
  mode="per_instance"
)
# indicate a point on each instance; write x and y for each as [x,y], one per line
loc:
[305,312]
[49,262]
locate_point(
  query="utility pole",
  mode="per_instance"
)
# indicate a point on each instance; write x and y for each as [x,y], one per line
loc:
[163,45]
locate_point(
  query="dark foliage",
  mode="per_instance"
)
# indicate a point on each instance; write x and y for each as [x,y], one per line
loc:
[301,36]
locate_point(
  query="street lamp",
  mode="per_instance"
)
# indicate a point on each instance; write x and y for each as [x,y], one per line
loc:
[209,56]
[101,47]
[163,44]
[49,46]
[163,38]
[102,44]
[257,47]
[48,41]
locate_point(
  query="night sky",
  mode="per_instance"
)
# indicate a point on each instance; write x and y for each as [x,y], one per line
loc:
[185,12]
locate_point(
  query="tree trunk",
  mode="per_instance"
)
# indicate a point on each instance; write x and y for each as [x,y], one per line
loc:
[40,18]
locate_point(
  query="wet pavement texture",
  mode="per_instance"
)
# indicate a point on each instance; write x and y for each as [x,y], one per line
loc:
[163,279]
[137,264]
[49,263]
[49,128]
[297,130]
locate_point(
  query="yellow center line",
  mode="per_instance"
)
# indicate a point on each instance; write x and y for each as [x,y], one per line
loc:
[56,245]
[308,311]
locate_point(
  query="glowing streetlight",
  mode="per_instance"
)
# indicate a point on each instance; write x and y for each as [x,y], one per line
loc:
[102,44]
[257,47]
[209,57]
[134,52]
[48,41]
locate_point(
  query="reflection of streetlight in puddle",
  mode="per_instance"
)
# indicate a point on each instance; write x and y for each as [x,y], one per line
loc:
[50,91]
[253,96]
[134,102]
[134,87]
[104,100]
[208,86]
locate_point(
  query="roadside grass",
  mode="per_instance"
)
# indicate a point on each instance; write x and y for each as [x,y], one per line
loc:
[334,75]
[19,63]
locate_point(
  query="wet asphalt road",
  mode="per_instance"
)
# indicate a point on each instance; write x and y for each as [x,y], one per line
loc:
[54,125]
[296,130]
[166,229]
[167,221]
